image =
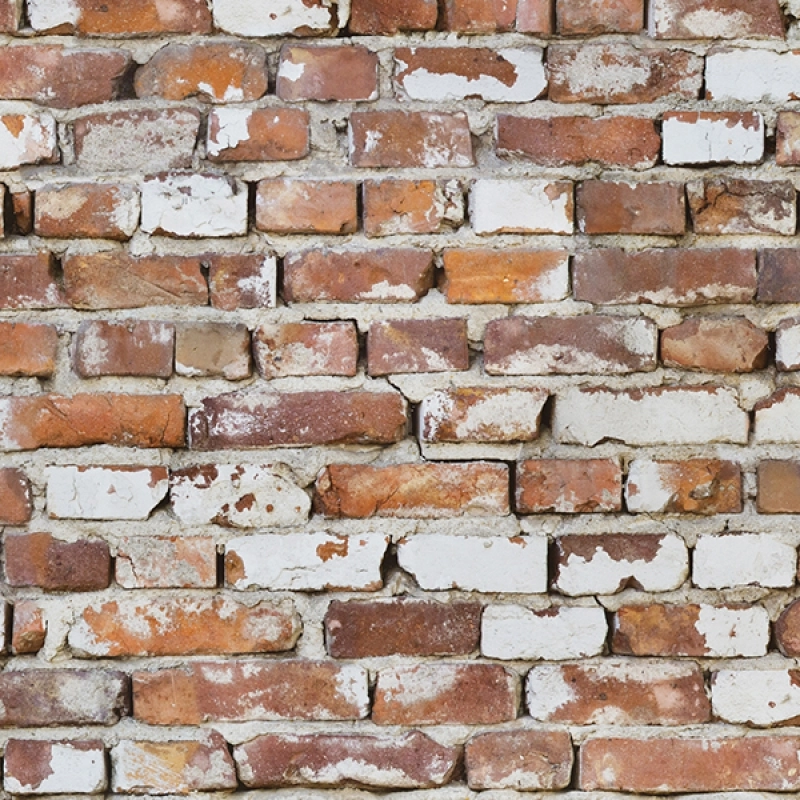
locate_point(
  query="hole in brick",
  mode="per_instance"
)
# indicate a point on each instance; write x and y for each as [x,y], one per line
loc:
[220,566]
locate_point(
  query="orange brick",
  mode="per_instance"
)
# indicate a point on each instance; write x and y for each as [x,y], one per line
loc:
[241,281]
[479,16]
[608,207]
[29,281]
[406,206]
[28,349]
[273,134]
[389,17]
[779,487]
[292,206]
[29,627]
[16,503]
[599,16]
[568,487]
[21,221]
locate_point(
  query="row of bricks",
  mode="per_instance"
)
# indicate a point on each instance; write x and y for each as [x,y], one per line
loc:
[667,19]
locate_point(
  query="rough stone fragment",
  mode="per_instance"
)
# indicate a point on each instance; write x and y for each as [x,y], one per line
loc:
[407,206]
[776,417]
[778,487]
[599,16]
[344,73]
[568,486]
[763,697]
[242,281]
[386,17]
[29,281]
[417,345]
[521,206]
[707,19]
[165,562]
[29,627]
[713,137]
[104,492]
[16,503]
[743,559]
[45,767]
[609,207]
[212,349]
[306,348]
[142,349]
[787,630]
[27,139]
[286,205]
[257,134]
[294,17]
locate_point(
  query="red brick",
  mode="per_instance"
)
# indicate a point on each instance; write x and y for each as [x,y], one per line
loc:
[241,281]
[38,559]
[118,280]
[212,349]
[21,221]
[450,694]
[410,139]
[9,15]
[569,345]
[306,348]
[407,206]
[560,141]
[16,503]
[577,17]
[535,16]
[389,17]
[787,630]
[136,348]
[298,419]
[568,487]
[28,349]
[124,420]
[29,627]
[779,487]
[787,139]
[273,134]
[717,345]
[417,345]
[401,626]
[380,276]
[608,207]
[479,16]
[215,72]
[671,277]
[250,690]
[284,205]
[708,764]
[341,73]
[523,760]
[779,276]
[29,281]
[408,761]
[419,491]
[52,75]
[39,767]
[164,562]
[712,19]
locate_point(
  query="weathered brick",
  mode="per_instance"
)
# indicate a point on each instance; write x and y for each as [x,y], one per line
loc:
[657,415]
[478,16]
[479,275]
[212,349]
[618,693]
[9,15]
[182,626]
[476,563]
[387,17]
[620,73]
[606,563]
[407,206]
[21,219]
[242,281]
[787,345]
[87,210]
[421,491]
[28,349]
[343,73]
[39,559]
[706,19]
[743,559]
[285,205]
[778,487]
[523,760]
[306,348]
[410,139]
[668,276]
[165,562]
[417,345]
[241,691]
[609,207]
[295,17]
[216,72]
[118,280]
[238,496]
[568,486]
[401,626]
[123,348]
[717,345]
[599,16]
[442,74]
[48,767]
[29,281]
[713,137]
[378,276]
[146,140]
[438,693]
[787,630]
[306,561]
[560,141]
[35,698]
[16,503]
[776,417]
[27,139]
[124,420]
[183,767]
[534,16]
[694,629]
[787,138]
[259,134]
[29,627]
[521,206]
[104,492]
[756,697]
[481,414]
[298,419]
[707,764]
[779,276]
[695,486]
[51,75]
[409,761]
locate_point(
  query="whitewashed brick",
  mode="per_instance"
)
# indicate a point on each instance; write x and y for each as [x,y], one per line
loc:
[194,206]
[712,138]
[105,492]
[521,206]
[45,15]
[752,76]
[776,418]
[238,496]
[476,563]
[731,632]
[54,767]
[515,632]
[742,559]
[26,139]
[787,345]
[662,415]
[252,18]
[755,697]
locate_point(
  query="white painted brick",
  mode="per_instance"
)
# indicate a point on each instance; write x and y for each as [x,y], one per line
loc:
[238,496]
[194,206]
[712,139]
[476,563]
[787,345]
[104,492]
[78,768]
[521,206]
[26,139]
[663,415]
[45,15]
[743,559]
[755,697]
[306,561]
[514,632]
[776,419]
[252,18]
[752,76]
[732,632]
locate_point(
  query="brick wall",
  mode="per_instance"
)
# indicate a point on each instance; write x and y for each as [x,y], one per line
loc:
[399,396]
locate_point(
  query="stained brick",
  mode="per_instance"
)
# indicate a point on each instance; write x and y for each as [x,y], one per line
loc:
[29,281]
[164,562]
[787,139]
[407,206]
[242,281]
[29,627]
[212,349]
[51,767]
[779,487]
[387,17]
[27,139]
[28,349]
[16,503]
[706,19]
[343,73]
[599,16]
[123,348]
[568,486]
[479,16]
[779,276]
[608,207]
[292,206]
[535,16]
[260,134]
[417,345]
[9,15]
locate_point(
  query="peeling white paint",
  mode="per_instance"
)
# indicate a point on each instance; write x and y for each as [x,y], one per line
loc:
[752,76]
[756,697]
[520,206]
[731,632]
[72,771]
[231,127]
[711,140]
[35,142]
[279,17]
[44,15]
[743,559]
[777,422]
